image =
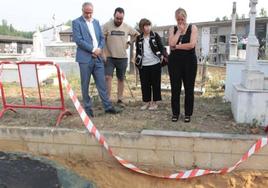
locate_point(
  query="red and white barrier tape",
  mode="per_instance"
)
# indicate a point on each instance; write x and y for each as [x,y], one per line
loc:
[1,74]
[180,175]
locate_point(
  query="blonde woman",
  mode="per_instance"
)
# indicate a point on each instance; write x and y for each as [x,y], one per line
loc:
[182,64]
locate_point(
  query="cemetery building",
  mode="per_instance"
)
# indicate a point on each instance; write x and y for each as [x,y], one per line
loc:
[213,37]
[14,44]
[66,35]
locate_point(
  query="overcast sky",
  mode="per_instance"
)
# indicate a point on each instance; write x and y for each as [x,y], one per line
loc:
[28,14]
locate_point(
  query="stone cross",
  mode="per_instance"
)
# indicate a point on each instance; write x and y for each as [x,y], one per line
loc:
[253,43]
[38,46]
[252,15]
[233,38]
[56,36]
[252,78]
[233,18]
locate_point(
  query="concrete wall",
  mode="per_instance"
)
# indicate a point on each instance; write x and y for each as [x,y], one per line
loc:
[158,148]
[234,76]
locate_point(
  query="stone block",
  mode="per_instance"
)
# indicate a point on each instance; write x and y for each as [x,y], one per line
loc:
[114,140]
[255,162]
[91,140]
[36,135]
[33,147]
[91,153]
[156,157]
[175,143]
[54,149]
[130,155]
[27,134]
[241,146]
[202,160]
[136,141]
[4,134]
[184,159]
[63,136]
[47,149]
[221,160]
[212,145]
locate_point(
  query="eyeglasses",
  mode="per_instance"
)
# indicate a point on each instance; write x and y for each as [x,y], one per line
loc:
[87,11]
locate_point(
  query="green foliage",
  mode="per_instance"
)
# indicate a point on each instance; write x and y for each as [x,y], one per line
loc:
[255,123]
[224,18]
[69,23]
[263,13]
[217,19]
[8,29]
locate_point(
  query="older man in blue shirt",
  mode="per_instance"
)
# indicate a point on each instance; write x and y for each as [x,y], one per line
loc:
[89,38]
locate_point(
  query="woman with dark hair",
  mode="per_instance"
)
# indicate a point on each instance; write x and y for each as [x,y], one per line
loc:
[182,64]
[149,55]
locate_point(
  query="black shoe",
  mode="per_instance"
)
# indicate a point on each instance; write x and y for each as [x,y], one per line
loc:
[175,118]
[187,119]
[113,111]
[120,103]
[89,113]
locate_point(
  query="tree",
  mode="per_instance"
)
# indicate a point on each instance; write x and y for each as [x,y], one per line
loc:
[224,18]
[263,13]
[243,16]
[4,22]
[69,23]
[6,29]
[11,28]
[217,19]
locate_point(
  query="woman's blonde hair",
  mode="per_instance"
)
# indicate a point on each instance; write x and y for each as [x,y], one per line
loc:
[182,12]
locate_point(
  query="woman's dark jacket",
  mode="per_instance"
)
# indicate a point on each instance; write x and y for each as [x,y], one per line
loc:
[155,44]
